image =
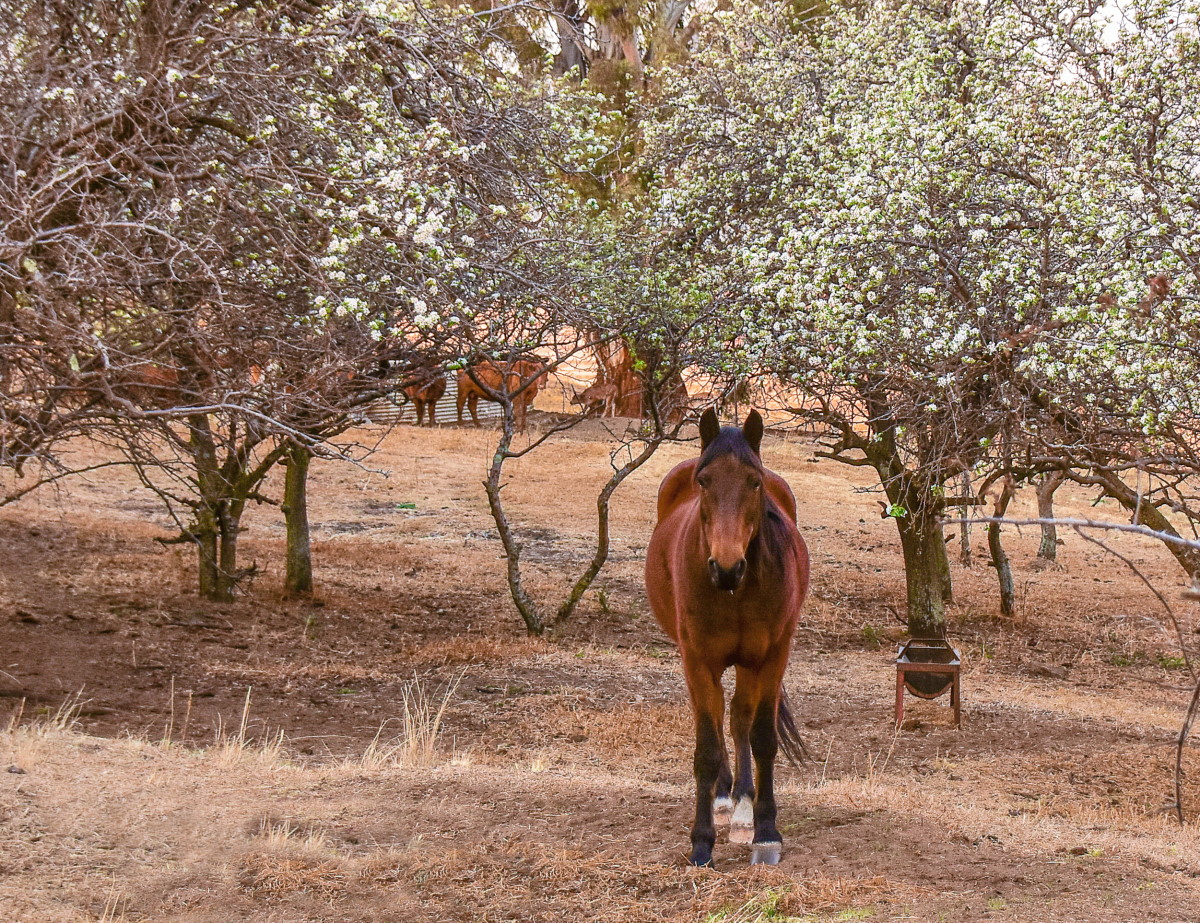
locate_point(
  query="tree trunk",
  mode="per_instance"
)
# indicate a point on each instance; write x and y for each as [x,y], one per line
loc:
[999,558]
[964,534]
[943,562]
[231,525]
[535,622]
[1048,550]
[211,526]
[537,619]
[926,572]
[915,504]
[299,579]
[215,533]
[208,566]
[218,516]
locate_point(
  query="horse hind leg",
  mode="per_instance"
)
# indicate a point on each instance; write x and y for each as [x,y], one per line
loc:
[741,824]
[722,802]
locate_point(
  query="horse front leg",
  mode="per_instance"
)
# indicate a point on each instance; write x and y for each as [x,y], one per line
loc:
[708,707]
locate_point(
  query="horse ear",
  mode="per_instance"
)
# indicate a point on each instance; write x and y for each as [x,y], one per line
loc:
[752,429]
[710,429]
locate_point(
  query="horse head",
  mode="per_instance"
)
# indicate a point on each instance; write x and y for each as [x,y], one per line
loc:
[730,481]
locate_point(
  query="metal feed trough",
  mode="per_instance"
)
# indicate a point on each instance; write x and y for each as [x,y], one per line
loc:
[927,667]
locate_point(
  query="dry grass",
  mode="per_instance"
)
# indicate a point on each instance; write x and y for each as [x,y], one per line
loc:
[238,748]
[276,877]
[419,724]
[791,901]
[26,735]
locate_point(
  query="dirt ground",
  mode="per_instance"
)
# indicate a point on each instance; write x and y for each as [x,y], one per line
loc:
[175,760]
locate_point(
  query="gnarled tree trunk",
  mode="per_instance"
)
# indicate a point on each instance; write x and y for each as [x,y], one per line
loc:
[1048,549]
[999,557]
[299,578]
[926,572]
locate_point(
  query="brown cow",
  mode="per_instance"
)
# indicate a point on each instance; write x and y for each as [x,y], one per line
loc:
[425,391]
[520,378]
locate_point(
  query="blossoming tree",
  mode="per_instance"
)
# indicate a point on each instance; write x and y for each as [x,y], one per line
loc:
[914,203]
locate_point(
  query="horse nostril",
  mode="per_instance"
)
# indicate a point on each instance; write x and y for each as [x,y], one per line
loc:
[726,578]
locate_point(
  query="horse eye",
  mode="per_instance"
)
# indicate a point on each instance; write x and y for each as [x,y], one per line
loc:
[703,482]
[757,485]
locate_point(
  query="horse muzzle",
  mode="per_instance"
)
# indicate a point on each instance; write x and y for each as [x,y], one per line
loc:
[727,578]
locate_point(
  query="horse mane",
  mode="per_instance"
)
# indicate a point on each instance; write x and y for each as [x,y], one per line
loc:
[774,539]
[730,441]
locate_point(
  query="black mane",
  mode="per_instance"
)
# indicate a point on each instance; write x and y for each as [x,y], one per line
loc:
[730,441]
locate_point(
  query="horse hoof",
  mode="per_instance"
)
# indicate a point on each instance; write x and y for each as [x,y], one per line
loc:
[701,861]
[722,811]
[766,853]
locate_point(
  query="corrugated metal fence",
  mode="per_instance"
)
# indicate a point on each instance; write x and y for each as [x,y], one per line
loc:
[399,409]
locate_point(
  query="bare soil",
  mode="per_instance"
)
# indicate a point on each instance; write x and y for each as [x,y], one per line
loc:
[560,785]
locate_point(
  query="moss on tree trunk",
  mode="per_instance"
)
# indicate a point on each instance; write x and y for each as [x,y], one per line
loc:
[1048,549]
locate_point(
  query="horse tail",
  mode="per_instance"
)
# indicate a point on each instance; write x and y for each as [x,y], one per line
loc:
[785,729]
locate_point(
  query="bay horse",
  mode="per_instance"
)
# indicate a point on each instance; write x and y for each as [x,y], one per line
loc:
[425,391]
[726,574]
[488,379]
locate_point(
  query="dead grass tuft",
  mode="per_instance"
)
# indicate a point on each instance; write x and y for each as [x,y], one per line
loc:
[271,876]
[231,750]
[419,722]
[25,739]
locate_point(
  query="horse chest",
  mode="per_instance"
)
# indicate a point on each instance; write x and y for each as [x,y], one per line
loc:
[737,628]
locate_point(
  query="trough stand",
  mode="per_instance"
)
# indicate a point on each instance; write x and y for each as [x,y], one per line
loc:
[929,656]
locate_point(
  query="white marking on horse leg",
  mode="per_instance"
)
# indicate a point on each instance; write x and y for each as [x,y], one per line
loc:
[741,827]
[722,810]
